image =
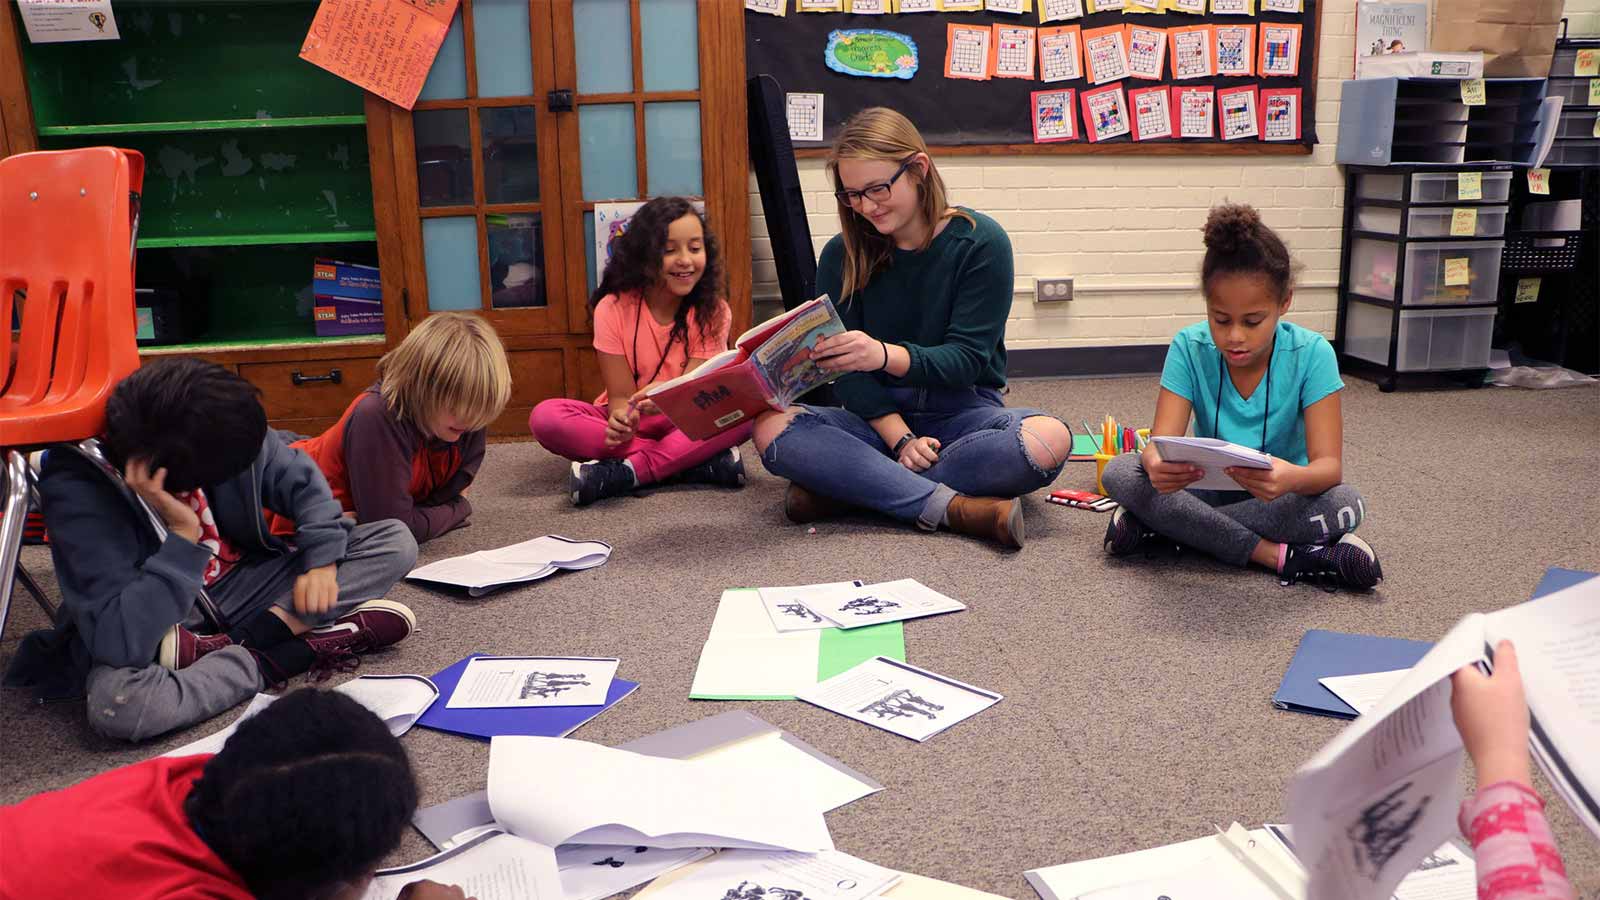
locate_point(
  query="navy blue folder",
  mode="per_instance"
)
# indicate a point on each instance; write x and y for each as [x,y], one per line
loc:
[1325,653]
[1557,579]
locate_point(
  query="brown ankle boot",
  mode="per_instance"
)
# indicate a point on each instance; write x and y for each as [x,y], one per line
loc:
[803,506]
[990,518]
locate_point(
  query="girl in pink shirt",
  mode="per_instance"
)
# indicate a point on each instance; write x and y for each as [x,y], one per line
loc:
[658,313]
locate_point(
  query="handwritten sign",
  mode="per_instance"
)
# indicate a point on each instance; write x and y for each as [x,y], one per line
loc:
[1464,222]
[1528,290]
[1539,181]
[1457,272]
[1587,63]
[1472,93]
[1469,186]
[384,46]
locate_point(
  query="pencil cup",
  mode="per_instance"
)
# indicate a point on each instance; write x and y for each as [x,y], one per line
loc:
[1143,433]
[1100,460]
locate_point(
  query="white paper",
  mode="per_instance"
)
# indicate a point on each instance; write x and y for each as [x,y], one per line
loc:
[1198,863]
[752,874]
[1059,58]
[399,700]
[746,656]
[805,116]
[795,608]
[212,743]
[1061,10]
[1211,455]
[887,601]
[1014,53]
[590,872]
[531,560]
[828,787]
[559,790]
[1107,55]
[491,682]
[1447,873]
[1209,879]
[55,21]
[1363,692]
[495,866]
[899,697]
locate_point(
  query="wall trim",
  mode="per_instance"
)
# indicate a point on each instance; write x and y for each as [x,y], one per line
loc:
[1085,362]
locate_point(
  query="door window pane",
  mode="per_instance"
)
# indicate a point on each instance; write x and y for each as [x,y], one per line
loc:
[510,155]
[444,157]
[516,261]
[672,148]
[447,80]
[669,32]
[603,33]
[606,141]
[500,38]
[450,252]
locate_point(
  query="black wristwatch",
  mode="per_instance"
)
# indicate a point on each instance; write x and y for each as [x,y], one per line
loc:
[899,445]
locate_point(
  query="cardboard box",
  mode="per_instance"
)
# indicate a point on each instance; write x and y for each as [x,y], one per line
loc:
[347,299]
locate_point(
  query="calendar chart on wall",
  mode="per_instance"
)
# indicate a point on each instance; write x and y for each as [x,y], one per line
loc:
[998,76]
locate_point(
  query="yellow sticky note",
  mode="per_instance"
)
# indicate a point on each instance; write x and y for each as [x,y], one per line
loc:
[1587,63]
[1472,93]
[1528,290]
[1594,92]
[1464,222]
[1457,272]
[1469,186]
[1538,181]
[1597,124]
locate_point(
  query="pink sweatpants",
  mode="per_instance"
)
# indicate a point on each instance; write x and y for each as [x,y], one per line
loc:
[576,430]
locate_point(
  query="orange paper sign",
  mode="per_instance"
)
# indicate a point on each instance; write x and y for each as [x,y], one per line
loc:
[385,46]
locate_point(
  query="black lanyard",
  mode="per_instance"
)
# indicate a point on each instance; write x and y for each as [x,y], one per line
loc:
[638,318]
[1222,372]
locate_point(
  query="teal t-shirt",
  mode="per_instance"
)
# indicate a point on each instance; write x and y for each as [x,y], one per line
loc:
[1304,370]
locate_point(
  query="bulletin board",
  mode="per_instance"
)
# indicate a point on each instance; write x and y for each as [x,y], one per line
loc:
[998,114]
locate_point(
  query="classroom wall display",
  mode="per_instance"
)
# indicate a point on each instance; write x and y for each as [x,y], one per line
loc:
[1247,70]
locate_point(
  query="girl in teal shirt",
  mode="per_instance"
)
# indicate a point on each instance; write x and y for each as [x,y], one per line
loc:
[1246,376]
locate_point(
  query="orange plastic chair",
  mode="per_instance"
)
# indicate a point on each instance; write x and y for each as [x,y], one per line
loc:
[68,220]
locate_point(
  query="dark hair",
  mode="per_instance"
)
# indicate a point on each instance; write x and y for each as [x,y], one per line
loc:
[308,796]
[1238,242]
[635,264]
[199,421]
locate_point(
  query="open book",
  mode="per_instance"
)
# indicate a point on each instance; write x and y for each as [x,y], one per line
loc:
[769,366]
[489,570]
[1384,793]
[1211,455]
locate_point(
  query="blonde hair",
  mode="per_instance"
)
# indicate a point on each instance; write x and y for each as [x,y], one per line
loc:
[452,362]
[879,133]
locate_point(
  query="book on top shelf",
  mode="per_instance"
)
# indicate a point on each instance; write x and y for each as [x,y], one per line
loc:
[769,366]
[1386,28]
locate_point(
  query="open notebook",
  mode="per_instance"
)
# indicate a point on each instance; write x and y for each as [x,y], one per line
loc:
[489,570]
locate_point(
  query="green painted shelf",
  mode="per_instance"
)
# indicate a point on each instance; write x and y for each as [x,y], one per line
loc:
[248,240]
[202,125]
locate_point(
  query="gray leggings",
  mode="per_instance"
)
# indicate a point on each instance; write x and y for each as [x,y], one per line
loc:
[1229,524]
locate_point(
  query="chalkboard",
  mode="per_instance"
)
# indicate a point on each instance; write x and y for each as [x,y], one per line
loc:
[996,116]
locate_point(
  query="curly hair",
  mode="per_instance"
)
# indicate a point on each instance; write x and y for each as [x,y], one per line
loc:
[199,421]
[635,265]
[1238,242]
[306,798]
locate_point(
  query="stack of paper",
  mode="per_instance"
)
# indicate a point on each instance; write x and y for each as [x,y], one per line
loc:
[492,866]
[854,605]
[908,887]
[755,875]
[489,570]
[399,700]
[900,697]
[1212,456]
[537,720]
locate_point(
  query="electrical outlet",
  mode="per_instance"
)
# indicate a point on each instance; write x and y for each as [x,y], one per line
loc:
[1052,290]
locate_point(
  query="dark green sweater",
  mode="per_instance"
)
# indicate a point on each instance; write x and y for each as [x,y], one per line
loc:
[947,305]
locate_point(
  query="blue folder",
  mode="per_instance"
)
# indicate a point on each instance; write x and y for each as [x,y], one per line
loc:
[1325,653]
[538,721]
[1556,579]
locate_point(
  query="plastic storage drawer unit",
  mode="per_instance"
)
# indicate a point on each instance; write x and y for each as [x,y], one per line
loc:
[1432,187]
[1428,269]
[1431,221]
[1430,340]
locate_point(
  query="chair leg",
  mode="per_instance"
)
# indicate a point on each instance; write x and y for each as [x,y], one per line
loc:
[16,511]
[38,594]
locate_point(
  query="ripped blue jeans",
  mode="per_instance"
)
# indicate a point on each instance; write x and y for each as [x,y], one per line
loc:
[835,452]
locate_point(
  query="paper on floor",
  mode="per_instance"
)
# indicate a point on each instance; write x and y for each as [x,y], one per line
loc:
[399,700]
[526,681]
[493,866]
[755,875]
[1363,692]
[590,872]
[486,570]
[886,601]
[794,608]
[559,791]
[900,697]
[1181,871]
[909,887]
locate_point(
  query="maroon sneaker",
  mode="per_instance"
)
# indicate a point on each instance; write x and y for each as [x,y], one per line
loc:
[180,647]
[374,625]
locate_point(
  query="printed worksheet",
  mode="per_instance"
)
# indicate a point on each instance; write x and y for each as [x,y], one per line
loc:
[1147,52]
[1197,111]
[1363,692]
[1283,6]
[1233,7]
[1005,6]
[1191,52]
[1280,50]
[1060,53]
[770,7]
[1280,115]
[1054,116]
[794,608]
[899,697]
[1193,7]
[1152,116]
[517,681]
[887,601]
[963,5]
[821,5]
[1059,10]
[1101,6]
[805,876]
[1237,109]
[593,872]
[1105,51]
[967,53]
[492,866]
[916,6]
[869,7]
[1013,51]
[1105,113]
[805,116]
[1235,45]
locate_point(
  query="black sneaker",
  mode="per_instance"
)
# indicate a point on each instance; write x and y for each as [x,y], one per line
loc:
[1126,535]
[598,479]
[725,469]
[1349,562]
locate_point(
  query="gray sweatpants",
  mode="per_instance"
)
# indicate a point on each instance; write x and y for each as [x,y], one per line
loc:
[1229,524]
[136,704]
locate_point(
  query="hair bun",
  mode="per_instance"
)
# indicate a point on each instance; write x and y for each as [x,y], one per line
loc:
[1231,227]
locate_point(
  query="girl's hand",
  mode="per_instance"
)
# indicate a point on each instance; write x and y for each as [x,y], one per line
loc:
[1267,485]
[619,428]
[151,487]
[919,454]
[1168,477]
[643,405]
[852,351]
[1492,716]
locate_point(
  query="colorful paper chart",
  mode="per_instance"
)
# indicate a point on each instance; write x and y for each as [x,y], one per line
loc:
[872,53]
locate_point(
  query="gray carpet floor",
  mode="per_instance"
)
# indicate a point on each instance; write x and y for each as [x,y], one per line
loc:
[1137,706]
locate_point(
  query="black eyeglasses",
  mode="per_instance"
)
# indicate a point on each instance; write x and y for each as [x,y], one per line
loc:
[877,193]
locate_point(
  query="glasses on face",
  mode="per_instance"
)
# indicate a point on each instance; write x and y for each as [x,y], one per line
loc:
[877,193]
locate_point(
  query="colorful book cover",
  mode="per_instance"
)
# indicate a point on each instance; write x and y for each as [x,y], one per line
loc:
[1385,28]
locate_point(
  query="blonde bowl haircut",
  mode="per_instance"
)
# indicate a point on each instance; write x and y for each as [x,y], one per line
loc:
[881,134]
[452,362]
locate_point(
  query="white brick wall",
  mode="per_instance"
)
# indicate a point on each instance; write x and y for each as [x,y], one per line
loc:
[1128,228]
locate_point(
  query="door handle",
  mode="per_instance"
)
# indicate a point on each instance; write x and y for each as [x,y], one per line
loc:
[334,376]
[559,101]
